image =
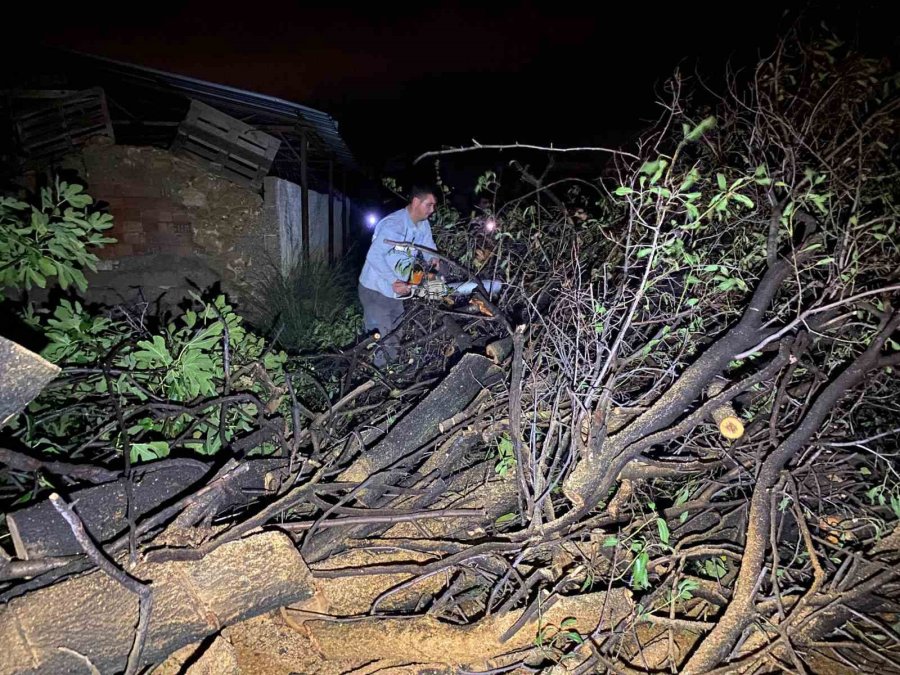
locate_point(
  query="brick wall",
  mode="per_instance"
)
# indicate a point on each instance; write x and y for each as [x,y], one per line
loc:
[169,212]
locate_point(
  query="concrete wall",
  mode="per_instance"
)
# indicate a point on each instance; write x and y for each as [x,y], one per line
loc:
[282,212]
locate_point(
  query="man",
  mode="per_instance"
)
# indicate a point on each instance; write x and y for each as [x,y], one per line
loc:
[383,281]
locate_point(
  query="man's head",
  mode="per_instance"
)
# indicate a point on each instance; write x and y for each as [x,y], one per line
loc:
[422,201]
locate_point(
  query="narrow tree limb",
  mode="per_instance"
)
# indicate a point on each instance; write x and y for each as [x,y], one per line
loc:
[386,519]
[523,463]
[23,462]
[591,476]
[20,569]
[286,501]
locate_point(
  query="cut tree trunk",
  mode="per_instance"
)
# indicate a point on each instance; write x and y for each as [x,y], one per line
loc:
[422,424]
[23,374]
[415,431]
[39,531]
[92,618]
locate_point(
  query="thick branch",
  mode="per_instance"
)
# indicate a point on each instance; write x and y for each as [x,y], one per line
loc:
[716,646]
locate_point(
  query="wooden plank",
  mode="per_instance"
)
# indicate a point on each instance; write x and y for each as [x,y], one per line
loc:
[63,124]
[232,129]
[226,145]
[195,144]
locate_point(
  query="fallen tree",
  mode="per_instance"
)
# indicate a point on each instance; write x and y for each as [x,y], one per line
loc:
[689,401]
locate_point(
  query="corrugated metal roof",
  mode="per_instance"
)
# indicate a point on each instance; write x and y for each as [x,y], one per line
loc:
[271,110]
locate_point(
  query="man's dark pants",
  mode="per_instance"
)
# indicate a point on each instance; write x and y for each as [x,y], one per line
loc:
[383,314]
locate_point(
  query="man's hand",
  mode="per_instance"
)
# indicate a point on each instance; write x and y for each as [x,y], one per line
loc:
[400,287]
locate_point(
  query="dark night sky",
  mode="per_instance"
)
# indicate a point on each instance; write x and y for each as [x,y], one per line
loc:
[403,81]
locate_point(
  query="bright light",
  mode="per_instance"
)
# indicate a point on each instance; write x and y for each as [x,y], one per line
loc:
[490,225]
[371,219]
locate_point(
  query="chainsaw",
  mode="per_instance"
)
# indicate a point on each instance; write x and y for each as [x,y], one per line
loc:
[430,286]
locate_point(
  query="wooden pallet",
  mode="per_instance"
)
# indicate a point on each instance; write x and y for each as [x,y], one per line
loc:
[225,145]
[56,123]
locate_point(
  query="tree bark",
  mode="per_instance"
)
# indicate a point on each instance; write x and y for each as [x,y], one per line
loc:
[38,531]
[94,616]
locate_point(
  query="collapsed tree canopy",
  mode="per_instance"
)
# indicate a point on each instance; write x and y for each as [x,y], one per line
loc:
[695,405]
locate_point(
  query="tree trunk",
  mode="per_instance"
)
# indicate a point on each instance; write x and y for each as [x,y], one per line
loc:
[92,617]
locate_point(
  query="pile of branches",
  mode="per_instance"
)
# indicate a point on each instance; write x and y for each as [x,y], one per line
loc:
[685,400]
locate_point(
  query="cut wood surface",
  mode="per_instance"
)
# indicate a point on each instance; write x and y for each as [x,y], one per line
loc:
[92,615]
[23,374]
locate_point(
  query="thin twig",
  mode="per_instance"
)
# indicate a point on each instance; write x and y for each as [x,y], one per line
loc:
[521,146]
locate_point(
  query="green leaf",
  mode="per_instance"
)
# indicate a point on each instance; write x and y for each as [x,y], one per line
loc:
[649,168]
[720,179]
[575,637]
[743,199]
[153,354]
[622,191]
[714,567]
[149,451]
[704,126]
[663,529]
[727,284]
[659,171]
[639,575]
[47,267]
[505,518]
[78,278]
[610,541]
[39,279]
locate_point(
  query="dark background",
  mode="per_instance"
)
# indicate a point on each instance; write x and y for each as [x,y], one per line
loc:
[404,79]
